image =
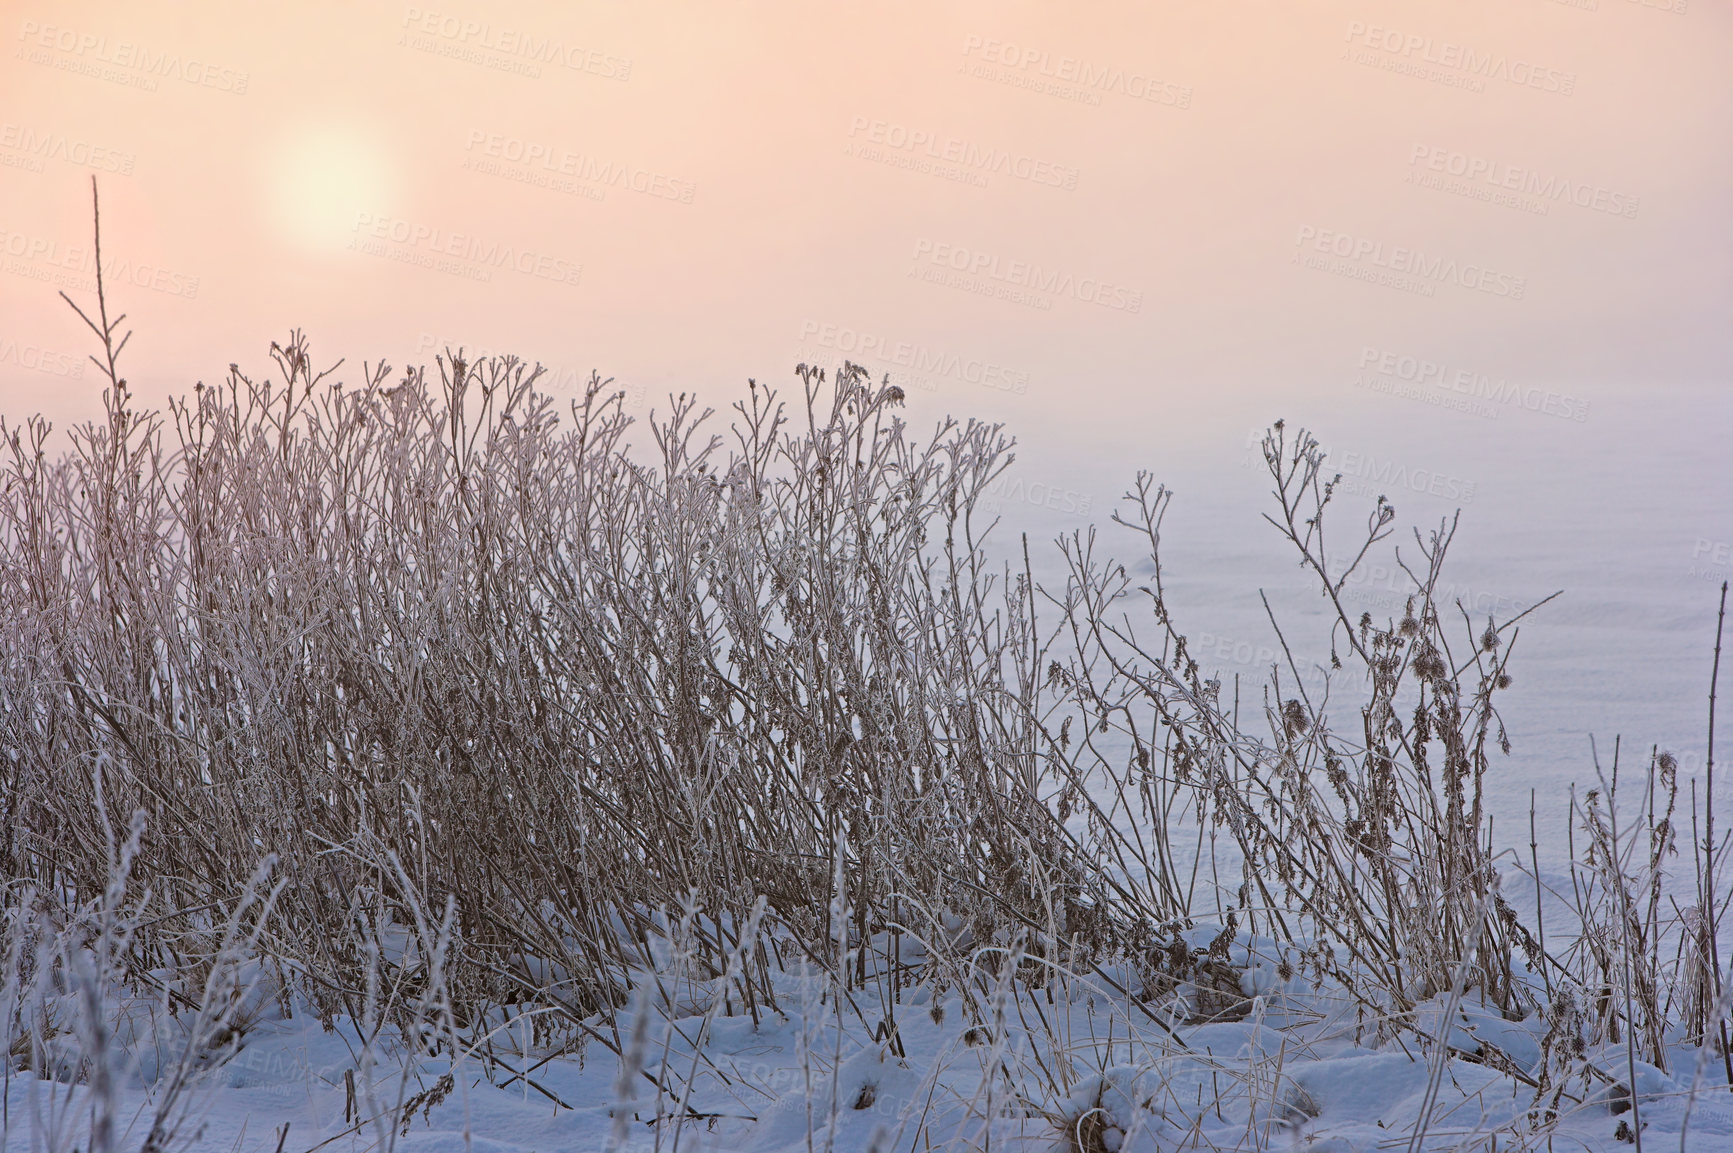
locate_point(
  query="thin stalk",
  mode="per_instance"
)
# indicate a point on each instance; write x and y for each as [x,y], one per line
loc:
[1709,836]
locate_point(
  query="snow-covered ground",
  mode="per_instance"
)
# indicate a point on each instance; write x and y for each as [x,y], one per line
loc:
[1104,1066]
[1097,1061]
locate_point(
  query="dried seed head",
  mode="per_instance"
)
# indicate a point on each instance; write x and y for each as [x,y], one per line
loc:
[1428,665]
[1502,680]
[1489,638]
[1409,627]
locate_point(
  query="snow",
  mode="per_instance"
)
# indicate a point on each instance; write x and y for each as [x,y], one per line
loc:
[1304,1068]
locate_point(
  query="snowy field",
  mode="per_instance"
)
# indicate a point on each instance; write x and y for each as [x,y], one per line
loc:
[1147,1020]
[1626,513]
[1299,1069]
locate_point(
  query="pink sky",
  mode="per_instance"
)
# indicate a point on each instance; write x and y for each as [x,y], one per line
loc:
[1063,215]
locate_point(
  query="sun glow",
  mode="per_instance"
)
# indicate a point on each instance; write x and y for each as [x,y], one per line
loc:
[319,176]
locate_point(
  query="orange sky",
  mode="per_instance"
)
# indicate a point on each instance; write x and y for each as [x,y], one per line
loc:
[1070,216]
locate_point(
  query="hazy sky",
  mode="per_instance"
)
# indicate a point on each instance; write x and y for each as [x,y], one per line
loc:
[687,194]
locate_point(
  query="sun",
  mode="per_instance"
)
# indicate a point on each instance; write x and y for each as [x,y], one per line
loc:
[319,176]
